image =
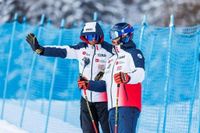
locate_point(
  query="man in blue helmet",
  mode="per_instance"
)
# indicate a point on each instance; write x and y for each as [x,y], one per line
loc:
[92,54]
[123,76]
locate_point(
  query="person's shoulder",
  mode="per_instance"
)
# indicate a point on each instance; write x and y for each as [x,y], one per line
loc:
[79,45]
[107,46]
[136,53]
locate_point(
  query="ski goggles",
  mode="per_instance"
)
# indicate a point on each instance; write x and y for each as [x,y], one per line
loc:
[115,34]
[92,37]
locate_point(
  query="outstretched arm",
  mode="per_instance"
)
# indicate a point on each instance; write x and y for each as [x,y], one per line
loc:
[45,51]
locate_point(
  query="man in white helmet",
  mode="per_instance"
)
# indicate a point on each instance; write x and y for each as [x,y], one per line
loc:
[92,54]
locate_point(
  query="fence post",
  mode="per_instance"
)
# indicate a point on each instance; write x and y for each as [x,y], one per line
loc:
[199,80]
[23,51]
[95,16]
[65,113]
[44,83]
[8,65]
[195,85]
[123,20]
[166,88]
[53,77]
[66,103]
[144,24]
[30,75]
[43,95]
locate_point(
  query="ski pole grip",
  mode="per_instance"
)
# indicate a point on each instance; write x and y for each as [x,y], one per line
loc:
[118,85]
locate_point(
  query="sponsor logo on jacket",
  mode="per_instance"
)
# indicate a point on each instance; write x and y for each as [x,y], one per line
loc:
[119,62]
[121,57]
[119,68]
[85,53]
[110,61]
[96,60]
[101,55]
[89,29]
[101,67]
[100,61]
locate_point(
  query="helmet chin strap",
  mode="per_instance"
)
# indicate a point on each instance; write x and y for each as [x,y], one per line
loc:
[120,43]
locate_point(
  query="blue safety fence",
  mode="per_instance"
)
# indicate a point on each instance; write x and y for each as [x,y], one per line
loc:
[40,94]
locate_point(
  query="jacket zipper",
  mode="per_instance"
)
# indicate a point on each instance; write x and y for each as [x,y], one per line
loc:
[112,81]
[92,70]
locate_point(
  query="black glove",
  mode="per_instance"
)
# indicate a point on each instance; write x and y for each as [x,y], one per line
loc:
[33,42]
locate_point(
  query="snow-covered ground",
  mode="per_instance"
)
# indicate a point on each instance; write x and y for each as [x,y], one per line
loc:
[35,121]
[180,117]
[6,127]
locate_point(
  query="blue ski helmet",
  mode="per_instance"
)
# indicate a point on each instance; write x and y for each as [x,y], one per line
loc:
[124,31]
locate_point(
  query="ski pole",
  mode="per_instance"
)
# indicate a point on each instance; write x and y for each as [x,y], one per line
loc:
[86,62]
[90,113]
[116,109]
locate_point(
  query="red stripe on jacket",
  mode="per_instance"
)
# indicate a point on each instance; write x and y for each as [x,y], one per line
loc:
[130,95]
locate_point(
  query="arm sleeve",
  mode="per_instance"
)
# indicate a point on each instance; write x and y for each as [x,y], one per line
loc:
[137,73]
[98,86]
[73,51]
[55,51]
[68,52]
[137,76]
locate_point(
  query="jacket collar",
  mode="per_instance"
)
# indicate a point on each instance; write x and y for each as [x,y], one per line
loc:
[96,46]
[126,46]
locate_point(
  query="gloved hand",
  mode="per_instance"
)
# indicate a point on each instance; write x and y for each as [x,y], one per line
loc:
[83,83]
[32,40]
[121,78]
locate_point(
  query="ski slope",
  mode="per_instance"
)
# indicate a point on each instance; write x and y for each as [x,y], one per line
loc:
[35,121]
[6,127]
[151,118]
